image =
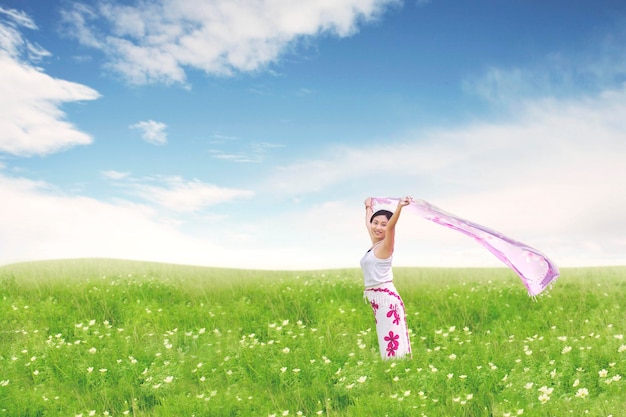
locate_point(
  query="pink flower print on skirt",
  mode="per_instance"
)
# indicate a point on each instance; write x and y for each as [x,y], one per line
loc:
[374,307]
[391,327]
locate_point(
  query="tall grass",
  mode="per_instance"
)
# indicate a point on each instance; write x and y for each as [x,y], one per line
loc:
[115,338]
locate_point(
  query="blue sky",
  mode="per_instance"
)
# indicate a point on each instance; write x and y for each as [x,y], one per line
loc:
[247,134]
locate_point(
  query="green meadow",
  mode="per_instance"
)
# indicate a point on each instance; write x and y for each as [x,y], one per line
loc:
[122,338]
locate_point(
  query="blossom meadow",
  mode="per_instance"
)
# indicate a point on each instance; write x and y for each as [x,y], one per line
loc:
[120,338]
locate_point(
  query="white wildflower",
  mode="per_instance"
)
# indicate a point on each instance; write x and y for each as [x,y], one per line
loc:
[582,392]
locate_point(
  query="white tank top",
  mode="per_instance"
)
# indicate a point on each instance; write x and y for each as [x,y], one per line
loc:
[375,271]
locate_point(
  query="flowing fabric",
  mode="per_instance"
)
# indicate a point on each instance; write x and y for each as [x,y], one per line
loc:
[535,269]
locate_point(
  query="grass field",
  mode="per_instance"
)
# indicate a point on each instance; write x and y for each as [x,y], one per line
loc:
[116,338]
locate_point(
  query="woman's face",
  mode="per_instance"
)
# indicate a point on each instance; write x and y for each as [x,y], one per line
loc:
[379,226]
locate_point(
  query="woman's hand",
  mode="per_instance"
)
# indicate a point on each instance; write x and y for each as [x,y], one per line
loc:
[368,202]
[405,201]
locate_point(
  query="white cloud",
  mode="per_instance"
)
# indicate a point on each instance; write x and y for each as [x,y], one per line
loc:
[156,41]
[11,40]
[179,195]
[41,223]
[594,66]
[31,121]
[547,142]
[18,18]
[115,175]
[235,157]
[188,196]
[553,177]
[152,132]
[245,153]
[219,139]
[378,163]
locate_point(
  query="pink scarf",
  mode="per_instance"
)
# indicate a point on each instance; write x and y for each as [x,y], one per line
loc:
[533,267]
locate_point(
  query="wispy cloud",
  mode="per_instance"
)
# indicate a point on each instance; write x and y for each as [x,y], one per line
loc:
[304,92]
[261,148]
[234,157]
[553,172]
[31,120]
[597,65]
[245,153]
[152,132]
[17,18]
[175,193]
[41,224]
[115,175]
[219,139]
[157,41]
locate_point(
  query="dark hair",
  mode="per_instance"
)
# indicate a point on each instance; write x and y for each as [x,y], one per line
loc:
[385,213]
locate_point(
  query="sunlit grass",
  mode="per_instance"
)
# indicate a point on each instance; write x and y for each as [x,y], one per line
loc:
[115,338]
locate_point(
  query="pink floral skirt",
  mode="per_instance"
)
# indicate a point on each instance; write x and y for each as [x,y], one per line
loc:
[391,327]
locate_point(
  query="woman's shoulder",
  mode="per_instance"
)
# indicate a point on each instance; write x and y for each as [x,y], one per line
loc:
[382,253]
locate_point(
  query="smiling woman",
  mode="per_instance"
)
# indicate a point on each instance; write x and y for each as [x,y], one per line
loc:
[391,327]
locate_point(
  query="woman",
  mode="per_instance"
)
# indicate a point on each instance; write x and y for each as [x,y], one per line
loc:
[391,327]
